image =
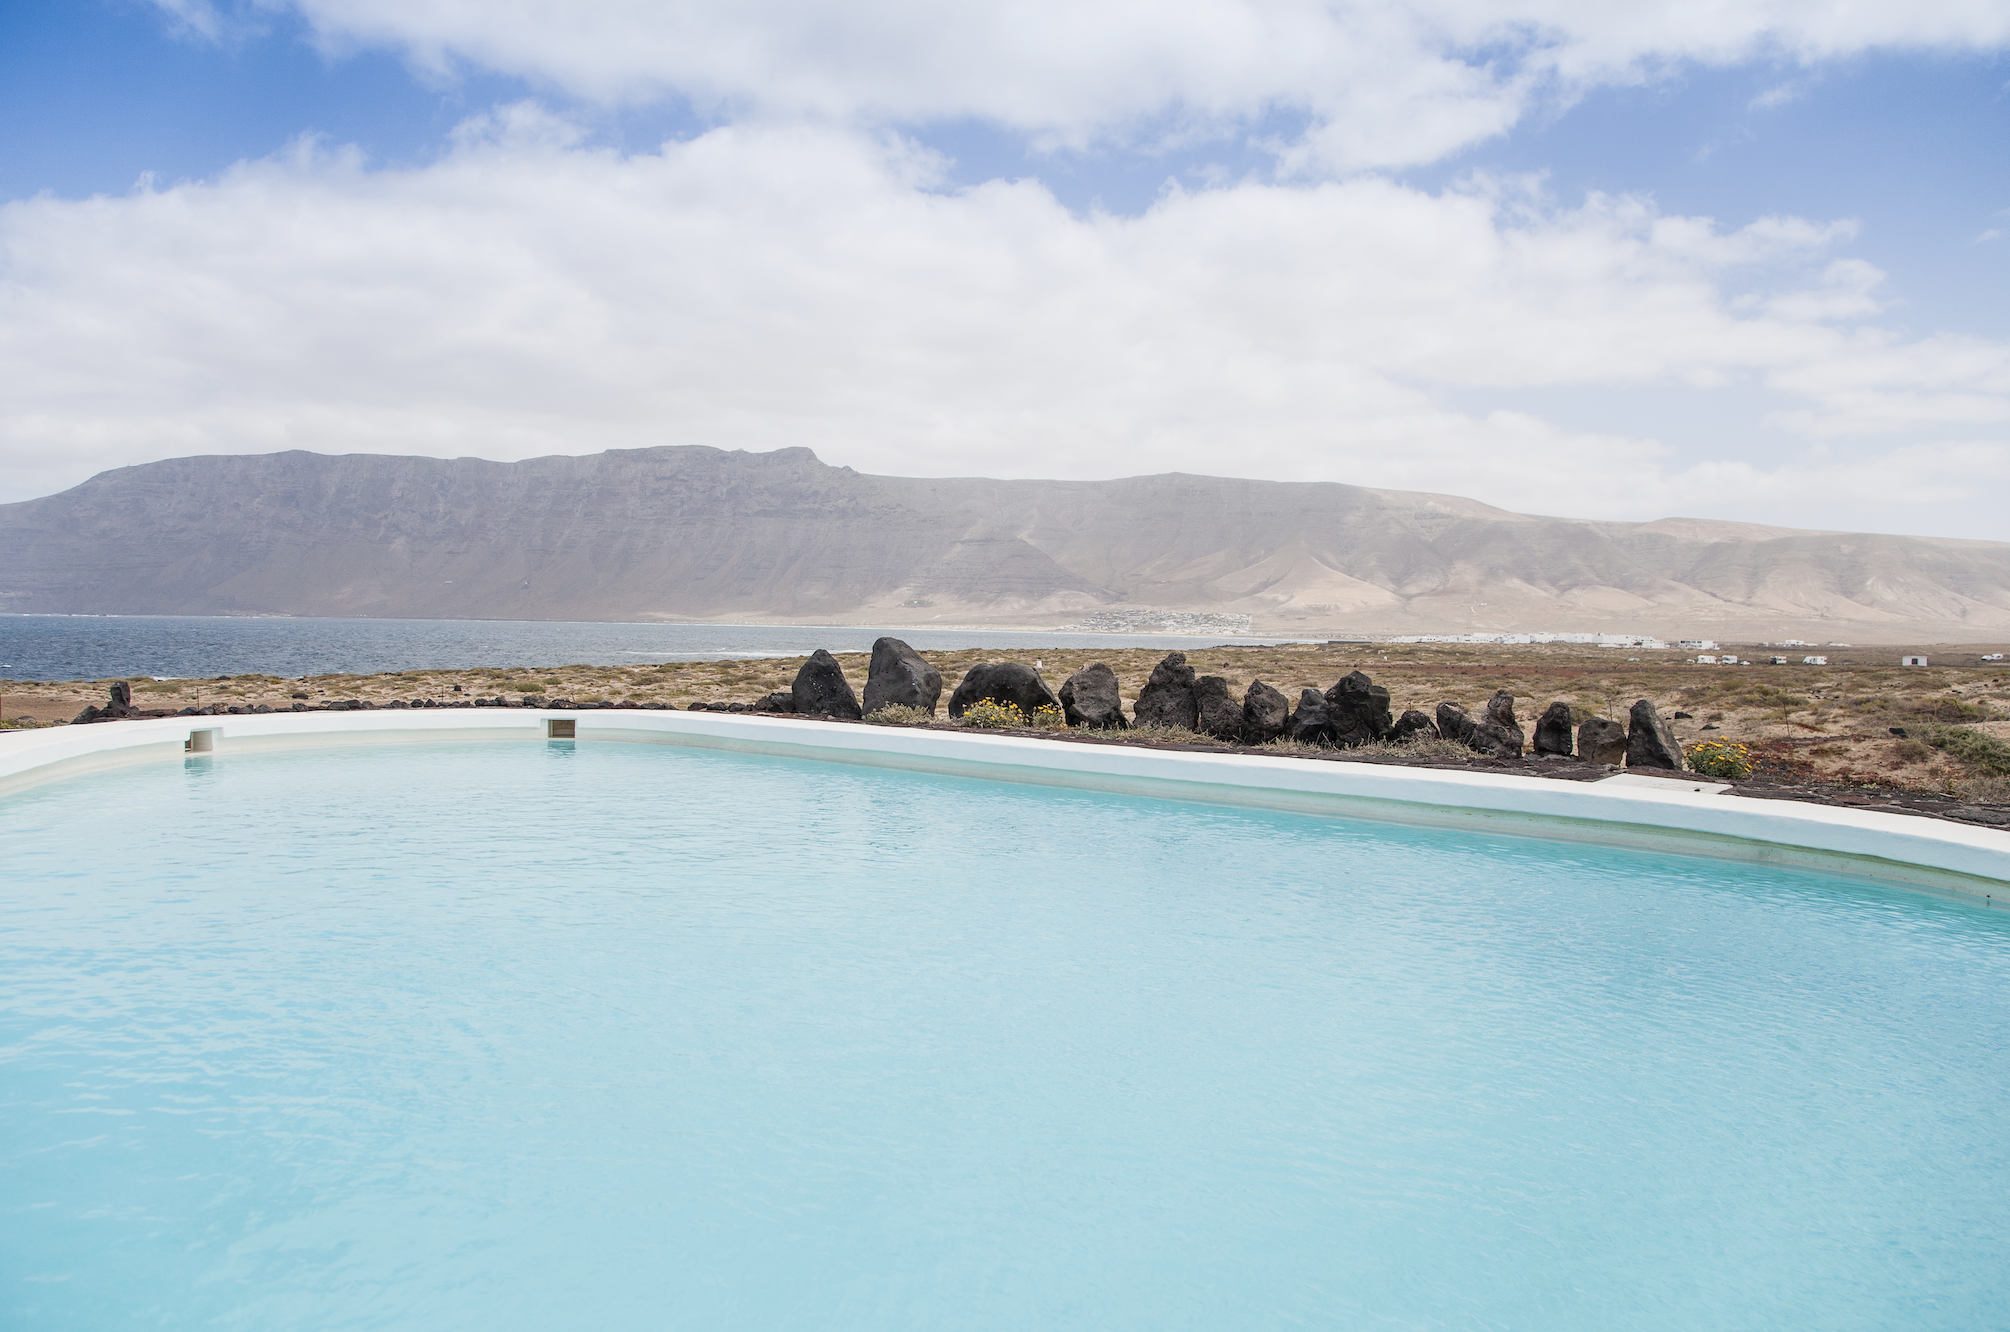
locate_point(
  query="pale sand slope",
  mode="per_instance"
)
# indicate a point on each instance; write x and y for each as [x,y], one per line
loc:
[698,533]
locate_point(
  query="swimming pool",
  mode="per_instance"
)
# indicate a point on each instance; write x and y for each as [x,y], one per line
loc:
[537,1035]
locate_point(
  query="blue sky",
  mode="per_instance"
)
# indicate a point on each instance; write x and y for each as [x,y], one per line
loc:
[1777,243]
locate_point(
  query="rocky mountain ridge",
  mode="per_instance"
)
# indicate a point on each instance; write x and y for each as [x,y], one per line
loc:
[688,532]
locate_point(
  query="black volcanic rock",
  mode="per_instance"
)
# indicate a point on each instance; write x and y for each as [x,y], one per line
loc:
[1216,711]
[1455,723]
[782,700]
[1167,698]
[899,677]
[1500,713]
[1601,740]
[1090,699]
[821,690]
[1413,725]
[1265,713]
[1552,730]
[1011,682]
[1309,725]
[1357,710]
[1650,741]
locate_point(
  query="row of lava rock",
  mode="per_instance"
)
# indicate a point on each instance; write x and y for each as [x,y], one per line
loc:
[1354,712]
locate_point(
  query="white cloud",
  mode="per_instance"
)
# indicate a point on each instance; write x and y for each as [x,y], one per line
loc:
[1380,82]
[767,286]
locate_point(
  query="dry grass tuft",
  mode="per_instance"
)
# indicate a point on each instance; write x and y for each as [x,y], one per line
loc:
[899,714]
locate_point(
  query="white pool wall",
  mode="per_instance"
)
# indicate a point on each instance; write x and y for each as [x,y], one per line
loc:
[1668,816]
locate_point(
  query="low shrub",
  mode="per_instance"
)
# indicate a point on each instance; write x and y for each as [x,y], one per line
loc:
[1984,755]
[1047,717]
[1941,710]
[899,714]
[993,715]
[1172,735]
[1984,790]
[1427,746]
[1722,759]
[1912,751]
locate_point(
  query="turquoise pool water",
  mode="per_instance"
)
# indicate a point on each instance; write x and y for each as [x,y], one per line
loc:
[543,1036]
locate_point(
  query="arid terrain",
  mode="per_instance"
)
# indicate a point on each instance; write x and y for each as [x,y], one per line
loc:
[1833,725]
[688,533]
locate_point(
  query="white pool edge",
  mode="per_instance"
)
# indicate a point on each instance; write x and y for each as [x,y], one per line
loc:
[1911,851]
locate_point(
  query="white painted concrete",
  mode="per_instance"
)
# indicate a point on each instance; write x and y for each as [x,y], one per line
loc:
[1648,813]
[1698,785]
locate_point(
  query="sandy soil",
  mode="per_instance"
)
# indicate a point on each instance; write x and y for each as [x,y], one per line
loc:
[1829,725]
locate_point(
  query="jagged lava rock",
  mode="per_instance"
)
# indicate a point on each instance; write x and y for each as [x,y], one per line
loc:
[1357,710]
[1167,698]
[1413,725]
[1455,723]
[1011,682]
[821,690]
[1216,711]
[900,677]
[1308,725]
[1500,713]
[1265,711]
[1090,699]
[782,700]
[1650,741]
[1552,730]
[1601,740]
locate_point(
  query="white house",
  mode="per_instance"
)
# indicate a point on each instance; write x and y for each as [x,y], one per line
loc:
[1912,661]
[1814,661]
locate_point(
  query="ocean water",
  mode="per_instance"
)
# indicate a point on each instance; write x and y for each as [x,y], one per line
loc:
[630,1037]
[97,647]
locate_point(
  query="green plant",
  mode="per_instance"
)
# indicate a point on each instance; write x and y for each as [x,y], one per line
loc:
[1720,758]
[1984,755]
[993,714]
[1047,717]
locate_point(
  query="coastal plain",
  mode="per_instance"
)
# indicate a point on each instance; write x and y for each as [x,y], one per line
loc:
[1859,722]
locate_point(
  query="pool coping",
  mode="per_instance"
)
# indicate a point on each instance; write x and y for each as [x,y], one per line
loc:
[1668,817]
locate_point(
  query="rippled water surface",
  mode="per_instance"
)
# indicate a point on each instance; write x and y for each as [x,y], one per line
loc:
[96,647]
[616,1037]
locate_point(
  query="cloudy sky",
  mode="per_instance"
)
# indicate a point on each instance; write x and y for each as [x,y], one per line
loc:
[1739,260]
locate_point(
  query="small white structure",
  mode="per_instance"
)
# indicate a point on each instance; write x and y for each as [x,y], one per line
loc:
[1913,661]
[1698,645]
[1777,661]
[1814,661]
[1706,661]
[1992,656]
